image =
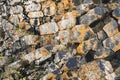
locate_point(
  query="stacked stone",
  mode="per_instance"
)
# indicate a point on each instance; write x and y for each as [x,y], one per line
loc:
[59,39]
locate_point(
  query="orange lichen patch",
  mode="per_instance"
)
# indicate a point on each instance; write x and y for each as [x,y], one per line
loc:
[83,30]
[70,14]
[80,48]
[10,17]
[51,76]
[44,52]
[60,9]
[71,4]
[27,26]
[64,68]
[117,47]
[52,8]
[58,18]
[35,14]
[93,65]
[103,55]
[36,40]
[84,69]
[22,25]
[66,3]
[47,40]
[65,76]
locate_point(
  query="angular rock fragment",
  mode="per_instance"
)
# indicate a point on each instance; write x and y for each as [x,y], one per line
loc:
[81,33]
[85,46]
[36,14]
[116,13]
[102,53]
[14,19]
[113,6]
[42,54]
[101,35]
[48,28]
[24,25]
[93,15]
[49,8]
[68,21]
[15,65]
[48,40]
[30,39]
[111,28]
[16,10]
[63,36]
[62,56]
[99,69]
[113,43]
[32,6]
[70,64]
[3,61]
[35,22]
[12,2]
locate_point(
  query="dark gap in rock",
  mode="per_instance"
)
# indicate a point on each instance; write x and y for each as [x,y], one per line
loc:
[97,25]
[1,43]
[76,2]
[77,20]
[2,33]
[119,27]
[117,78]
[114,60]
[49,47]
[90,56]
[114,19]
[75,45]
[105,1]
[51,59]
[69,74]
[112,16]
[93,25]
[96,1]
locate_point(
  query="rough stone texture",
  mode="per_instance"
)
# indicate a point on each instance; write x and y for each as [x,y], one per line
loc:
[41,54]
[113,42]
[48,28]
[30,39]
[16,10]
[64,36]
[111,28]
[12,2]
[68,21]
[32,6]
[101,35]
[35,14]
[97,70]
[116,13]
[59,39]
[93,15]
[49,8]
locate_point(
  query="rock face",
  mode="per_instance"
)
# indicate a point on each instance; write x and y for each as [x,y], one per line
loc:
[111,28]
[59,39]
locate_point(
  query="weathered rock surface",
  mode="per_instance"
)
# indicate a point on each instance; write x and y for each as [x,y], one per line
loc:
[59,39]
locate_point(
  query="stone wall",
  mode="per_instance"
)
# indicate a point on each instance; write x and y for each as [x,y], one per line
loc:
[59,39]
